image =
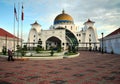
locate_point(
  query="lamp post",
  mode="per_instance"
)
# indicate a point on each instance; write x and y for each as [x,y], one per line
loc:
[102,42]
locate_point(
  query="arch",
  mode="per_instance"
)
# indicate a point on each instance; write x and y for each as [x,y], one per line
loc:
[54,42]
[70,37]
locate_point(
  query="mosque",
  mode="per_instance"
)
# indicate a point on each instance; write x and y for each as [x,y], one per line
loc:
[64,33]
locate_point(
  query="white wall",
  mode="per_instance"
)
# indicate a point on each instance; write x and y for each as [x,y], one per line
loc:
[112,43]
[71,27]
[10,43]
[46,34]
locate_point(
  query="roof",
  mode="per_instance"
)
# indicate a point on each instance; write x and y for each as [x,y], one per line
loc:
[4,33]
[63,18]
[117,31]
[35,23]
[89,21]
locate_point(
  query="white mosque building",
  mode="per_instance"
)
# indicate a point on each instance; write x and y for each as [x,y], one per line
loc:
[64,33]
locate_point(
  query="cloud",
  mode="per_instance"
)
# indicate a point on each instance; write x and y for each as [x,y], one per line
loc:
[106,29]
[105,13]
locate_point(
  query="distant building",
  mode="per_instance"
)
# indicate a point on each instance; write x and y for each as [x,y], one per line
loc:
[7,40]
[111,42]
[64,33]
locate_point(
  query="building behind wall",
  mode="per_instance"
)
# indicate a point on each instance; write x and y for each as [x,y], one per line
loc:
[64,33]
[111,42]
[7,40]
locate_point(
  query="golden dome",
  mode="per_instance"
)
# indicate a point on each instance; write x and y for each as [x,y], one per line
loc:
[63,18]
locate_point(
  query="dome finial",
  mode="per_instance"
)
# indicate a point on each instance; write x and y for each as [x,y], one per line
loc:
[63,11]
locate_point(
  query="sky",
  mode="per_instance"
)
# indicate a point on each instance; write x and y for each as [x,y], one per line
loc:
[105,14]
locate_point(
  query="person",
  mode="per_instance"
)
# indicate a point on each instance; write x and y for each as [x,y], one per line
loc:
[10,55]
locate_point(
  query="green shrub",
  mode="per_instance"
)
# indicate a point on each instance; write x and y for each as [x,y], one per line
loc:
[4,51]
[112,52]
[25,47]
[52,52]
[37,49]
[23,52]
[59,49]
[69,49]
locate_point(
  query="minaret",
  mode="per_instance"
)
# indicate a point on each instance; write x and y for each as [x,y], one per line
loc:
[36,26]
[89,23]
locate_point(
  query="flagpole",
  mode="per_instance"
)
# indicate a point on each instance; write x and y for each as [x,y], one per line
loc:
[22,18]
[18,30]
[14,29]
[21,35]
[21,24]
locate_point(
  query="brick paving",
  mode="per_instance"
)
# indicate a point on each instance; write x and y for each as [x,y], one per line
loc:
[88,68]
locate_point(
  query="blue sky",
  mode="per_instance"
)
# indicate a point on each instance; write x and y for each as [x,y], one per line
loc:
[105,13]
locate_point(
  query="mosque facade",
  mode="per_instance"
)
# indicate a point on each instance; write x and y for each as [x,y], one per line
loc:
[64,33]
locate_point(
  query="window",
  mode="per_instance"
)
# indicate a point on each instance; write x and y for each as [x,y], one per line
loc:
[79,40]
[71,27]
[34,35]
[65,26]
[89,39]
[89,35]
[79,34]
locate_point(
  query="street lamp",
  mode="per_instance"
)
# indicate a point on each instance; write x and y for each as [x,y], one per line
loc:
[102,42]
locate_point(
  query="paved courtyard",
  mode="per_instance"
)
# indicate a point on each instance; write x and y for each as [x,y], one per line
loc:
[88,68]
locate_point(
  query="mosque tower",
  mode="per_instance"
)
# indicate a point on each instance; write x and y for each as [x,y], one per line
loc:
[34,33]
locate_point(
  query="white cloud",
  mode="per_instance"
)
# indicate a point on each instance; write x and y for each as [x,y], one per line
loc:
[106,13]
[106,29]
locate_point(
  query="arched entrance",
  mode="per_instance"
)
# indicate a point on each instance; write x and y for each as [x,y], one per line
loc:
[53,42]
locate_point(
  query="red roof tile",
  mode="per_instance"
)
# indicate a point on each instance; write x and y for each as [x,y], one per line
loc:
[114,32]
[4,33]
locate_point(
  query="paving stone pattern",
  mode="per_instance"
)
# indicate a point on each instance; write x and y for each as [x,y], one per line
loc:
[88,68]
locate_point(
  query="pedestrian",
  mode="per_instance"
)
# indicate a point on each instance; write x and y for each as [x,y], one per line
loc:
[10,55]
